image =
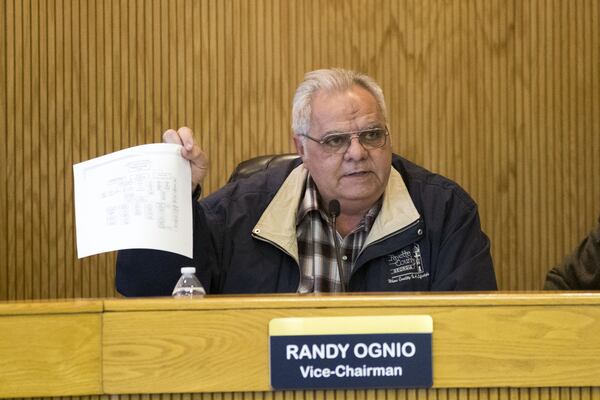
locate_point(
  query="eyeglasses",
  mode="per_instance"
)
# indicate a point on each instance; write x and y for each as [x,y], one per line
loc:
[339,142]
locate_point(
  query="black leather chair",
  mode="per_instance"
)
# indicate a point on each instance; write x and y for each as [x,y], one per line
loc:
[252,165]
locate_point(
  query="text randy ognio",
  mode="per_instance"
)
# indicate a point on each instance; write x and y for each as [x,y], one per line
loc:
[359,350]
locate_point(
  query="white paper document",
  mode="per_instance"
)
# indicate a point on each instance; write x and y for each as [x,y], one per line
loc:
[134,198]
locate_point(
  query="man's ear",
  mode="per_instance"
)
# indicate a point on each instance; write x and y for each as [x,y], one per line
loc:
[299,143]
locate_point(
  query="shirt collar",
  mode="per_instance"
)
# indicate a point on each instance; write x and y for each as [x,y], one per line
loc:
[311,200]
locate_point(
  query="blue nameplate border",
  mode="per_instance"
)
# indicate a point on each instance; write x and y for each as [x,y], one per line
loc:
[351,352]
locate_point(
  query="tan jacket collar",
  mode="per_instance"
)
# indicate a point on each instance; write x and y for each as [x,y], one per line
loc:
[278,223]
[397,211]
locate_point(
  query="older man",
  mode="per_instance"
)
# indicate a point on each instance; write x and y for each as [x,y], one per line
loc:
[399,228]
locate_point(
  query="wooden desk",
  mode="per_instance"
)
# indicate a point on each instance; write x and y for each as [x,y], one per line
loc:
[50,348]
[220,343]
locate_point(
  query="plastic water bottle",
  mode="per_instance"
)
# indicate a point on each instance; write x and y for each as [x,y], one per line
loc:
[188,285]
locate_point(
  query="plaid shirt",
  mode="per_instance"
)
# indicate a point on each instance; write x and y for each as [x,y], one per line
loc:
[318,262]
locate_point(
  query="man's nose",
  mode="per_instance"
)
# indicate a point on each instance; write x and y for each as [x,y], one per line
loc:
[355,149]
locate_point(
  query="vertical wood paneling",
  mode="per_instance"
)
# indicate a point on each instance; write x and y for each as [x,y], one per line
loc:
[502,96]
[82,132]
[41,145]
[377,394]
[77,92]
[69,79]
[4,215]
[14,14]
[51,188]
[593,195]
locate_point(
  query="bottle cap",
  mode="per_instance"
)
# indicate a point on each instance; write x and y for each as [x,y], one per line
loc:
[188,270]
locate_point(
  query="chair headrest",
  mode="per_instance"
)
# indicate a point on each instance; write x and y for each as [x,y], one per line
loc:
[260,163]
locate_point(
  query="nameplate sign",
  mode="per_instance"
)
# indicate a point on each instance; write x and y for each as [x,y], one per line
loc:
[351,352]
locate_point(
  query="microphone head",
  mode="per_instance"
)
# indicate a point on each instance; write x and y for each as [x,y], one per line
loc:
[334,208]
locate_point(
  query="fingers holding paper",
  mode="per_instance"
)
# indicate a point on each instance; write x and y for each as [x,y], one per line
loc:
[190,151]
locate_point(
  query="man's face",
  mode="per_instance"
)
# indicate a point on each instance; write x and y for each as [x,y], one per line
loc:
[358,177]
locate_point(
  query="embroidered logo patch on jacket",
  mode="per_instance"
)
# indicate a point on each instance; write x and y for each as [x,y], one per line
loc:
[406,264]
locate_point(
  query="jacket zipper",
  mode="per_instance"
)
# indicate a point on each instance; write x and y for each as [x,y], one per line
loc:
[394,233]
[375,242]
[412,225]
[255,236]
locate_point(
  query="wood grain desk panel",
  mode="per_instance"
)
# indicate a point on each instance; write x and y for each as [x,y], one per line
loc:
[50,348]
[220,344]
[486,346]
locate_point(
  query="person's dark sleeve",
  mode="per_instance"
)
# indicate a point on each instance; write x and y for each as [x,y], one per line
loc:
[145,273]
[464,259]
[579,270]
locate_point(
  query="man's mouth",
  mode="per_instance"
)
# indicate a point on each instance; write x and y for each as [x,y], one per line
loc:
[356,173]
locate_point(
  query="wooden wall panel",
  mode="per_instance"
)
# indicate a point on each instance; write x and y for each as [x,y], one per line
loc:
[413,394]
[501,95]
[379,394]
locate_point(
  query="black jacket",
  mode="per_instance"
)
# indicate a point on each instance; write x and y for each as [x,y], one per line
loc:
[426,238]
[580,270]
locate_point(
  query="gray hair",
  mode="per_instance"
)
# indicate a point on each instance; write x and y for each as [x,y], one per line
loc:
[330,80]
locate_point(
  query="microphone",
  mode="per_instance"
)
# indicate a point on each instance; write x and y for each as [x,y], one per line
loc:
[334,211]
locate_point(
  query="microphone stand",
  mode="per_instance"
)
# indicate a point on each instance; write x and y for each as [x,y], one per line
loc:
[334,211]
